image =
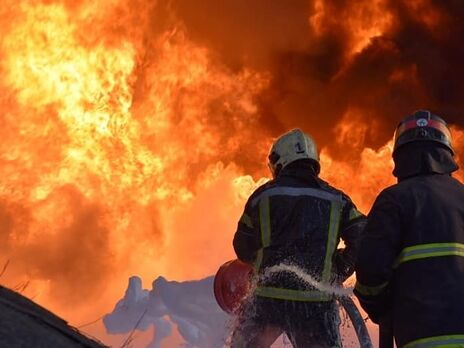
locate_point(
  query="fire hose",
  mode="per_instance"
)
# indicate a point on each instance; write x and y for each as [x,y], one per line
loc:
[232,284]
[358,322]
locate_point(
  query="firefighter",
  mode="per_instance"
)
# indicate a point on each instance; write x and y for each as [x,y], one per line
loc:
[410,270]
[295,219]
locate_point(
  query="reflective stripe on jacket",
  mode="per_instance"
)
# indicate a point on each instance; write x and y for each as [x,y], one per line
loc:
[298,219]
[411,265]
[447,341]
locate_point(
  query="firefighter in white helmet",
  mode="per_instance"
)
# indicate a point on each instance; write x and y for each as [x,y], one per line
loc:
[295,219]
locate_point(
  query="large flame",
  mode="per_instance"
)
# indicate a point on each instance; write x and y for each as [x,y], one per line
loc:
[130,148]
[100,142]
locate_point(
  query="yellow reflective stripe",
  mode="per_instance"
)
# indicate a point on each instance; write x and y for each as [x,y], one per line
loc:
[292,295]
[246,220]
[334,226]
[259,259]
[370,290]
[423,251]
[354,213]
[265,228]
[447,341]
[265,221]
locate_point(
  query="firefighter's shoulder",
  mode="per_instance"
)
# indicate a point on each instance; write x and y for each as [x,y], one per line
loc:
[401,190]
[324,185]
[254,197]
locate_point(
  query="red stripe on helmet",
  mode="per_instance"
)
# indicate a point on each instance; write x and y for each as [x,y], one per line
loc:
[431,123]
[441,127]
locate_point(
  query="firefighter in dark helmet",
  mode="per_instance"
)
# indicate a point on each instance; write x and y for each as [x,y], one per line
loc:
[295,219]
[410,270]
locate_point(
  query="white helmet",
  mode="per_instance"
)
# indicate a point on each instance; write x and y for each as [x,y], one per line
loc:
[290,147]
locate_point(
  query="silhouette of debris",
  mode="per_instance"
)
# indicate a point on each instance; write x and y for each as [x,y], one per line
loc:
[24,323]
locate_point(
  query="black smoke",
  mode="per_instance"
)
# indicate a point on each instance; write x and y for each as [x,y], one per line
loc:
[415,63]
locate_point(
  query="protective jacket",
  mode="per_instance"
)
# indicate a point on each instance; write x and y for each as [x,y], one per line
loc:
[410,269]
[298,219]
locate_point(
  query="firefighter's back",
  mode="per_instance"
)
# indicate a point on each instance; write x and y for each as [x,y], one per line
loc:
[429,277]
[301,226]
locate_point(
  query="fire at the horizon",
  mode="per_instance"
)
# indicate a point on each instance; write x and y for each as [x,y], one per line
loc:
[133,131]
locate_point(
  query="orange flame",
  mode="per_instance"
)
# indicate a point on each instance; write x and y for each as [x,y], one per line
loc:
[98,156]
[127,151]
[366,21]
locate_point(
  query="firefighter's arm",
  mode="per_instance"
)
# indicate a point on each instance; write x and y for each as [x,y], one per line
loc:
[379,248]
[351,228]
[246,243]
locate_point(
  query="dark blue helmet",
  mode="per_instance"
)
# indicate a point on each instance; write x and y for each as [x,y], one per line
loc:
[423,126]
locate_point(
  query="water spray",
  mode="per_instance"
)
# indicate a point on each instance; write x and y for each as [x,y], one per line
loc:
[236,280]
[343,296]
[309,280]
